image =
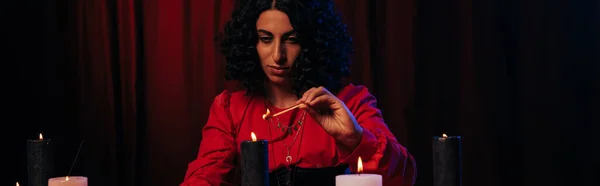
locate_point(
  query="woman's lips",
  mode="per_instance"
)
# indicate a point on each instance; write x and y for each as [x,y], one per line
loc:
[279,70]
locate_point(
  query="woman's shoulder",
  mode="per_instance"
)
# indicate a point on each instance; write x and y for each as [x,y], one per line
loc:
[357,97]
[354,92]
[228,98]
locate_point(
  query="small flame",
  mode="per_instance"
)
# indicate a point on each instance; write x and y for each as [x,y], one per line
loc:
[444,135]
[253,136]
[264,116]
[67,178]
[360,166]
[41,137]
[17,183]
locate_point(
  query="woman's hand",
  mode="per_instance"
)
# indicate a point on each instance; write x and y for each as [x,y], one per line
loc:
[333,115]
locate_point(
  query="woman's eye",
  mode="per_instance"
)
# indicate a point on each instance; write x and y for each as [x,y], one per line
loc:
[266,39]
[292,40]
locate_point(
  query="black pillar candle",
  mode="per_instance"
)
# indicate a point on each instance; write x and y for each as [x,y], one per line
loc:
[39,161]
[447,160]
[255,162]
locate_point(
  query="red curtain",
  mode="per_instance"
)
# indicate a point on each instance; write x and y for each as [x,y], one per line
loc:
[134,80]
[153,71]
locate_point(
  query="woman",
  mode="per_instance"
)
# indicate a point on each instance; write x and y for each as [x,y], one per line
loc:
[289,52]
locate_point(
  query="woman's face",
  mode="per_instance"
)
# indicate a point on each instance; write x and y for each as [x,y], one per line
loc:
[277,46]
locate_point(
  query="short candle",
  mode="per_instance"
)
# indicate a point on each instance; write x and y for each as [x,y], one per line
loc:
[358,179]
[68,181]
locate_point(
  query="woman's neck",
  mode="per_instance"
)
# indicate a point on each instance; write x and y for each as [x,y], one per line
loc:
[280,96]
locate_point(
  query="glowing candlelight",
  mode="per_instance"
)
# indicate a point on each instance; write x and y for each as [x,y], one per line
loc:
[359,167]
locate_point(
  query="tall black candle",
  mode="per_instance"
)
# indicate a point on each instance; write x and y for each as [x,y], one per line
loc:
[255,162]
[39,161]
[447,160]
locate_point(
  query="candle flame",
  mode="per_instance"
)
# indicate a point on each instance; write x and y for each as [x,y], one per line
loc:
[67,178]
[444,135]
[17,183]
[264,116]
[359,166]
[41,137]
[253,136]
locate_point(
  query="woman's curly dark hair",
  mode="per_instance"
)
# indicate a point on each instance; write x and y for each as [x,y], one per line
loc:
[326,44]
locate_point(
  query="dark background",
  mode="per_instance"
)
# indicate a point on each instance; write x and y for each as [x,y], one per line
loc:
[518,80]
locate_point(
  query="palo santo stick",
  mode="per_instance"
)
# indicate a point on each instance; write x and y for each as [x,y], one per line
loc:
[268,114]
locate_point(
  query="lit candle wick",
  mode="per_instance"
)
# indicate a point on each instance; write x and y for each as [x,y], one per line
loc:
[253,136]
[41,137]
[359,167]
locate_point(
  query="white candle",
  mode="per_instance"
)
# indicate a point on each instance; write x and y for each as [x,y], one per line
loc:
[358,179]
[68,181]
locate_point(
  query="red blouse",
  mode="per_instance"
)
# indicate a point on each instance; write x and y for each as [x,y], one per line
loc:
[312,148]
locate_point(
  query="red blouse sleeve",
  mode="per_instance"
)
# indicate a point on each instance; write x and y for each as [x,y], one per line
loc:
[215,162]
[379,150]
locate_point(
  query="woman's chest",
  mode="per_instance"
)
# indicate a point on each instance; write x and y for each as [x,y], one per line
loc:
[292,138]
